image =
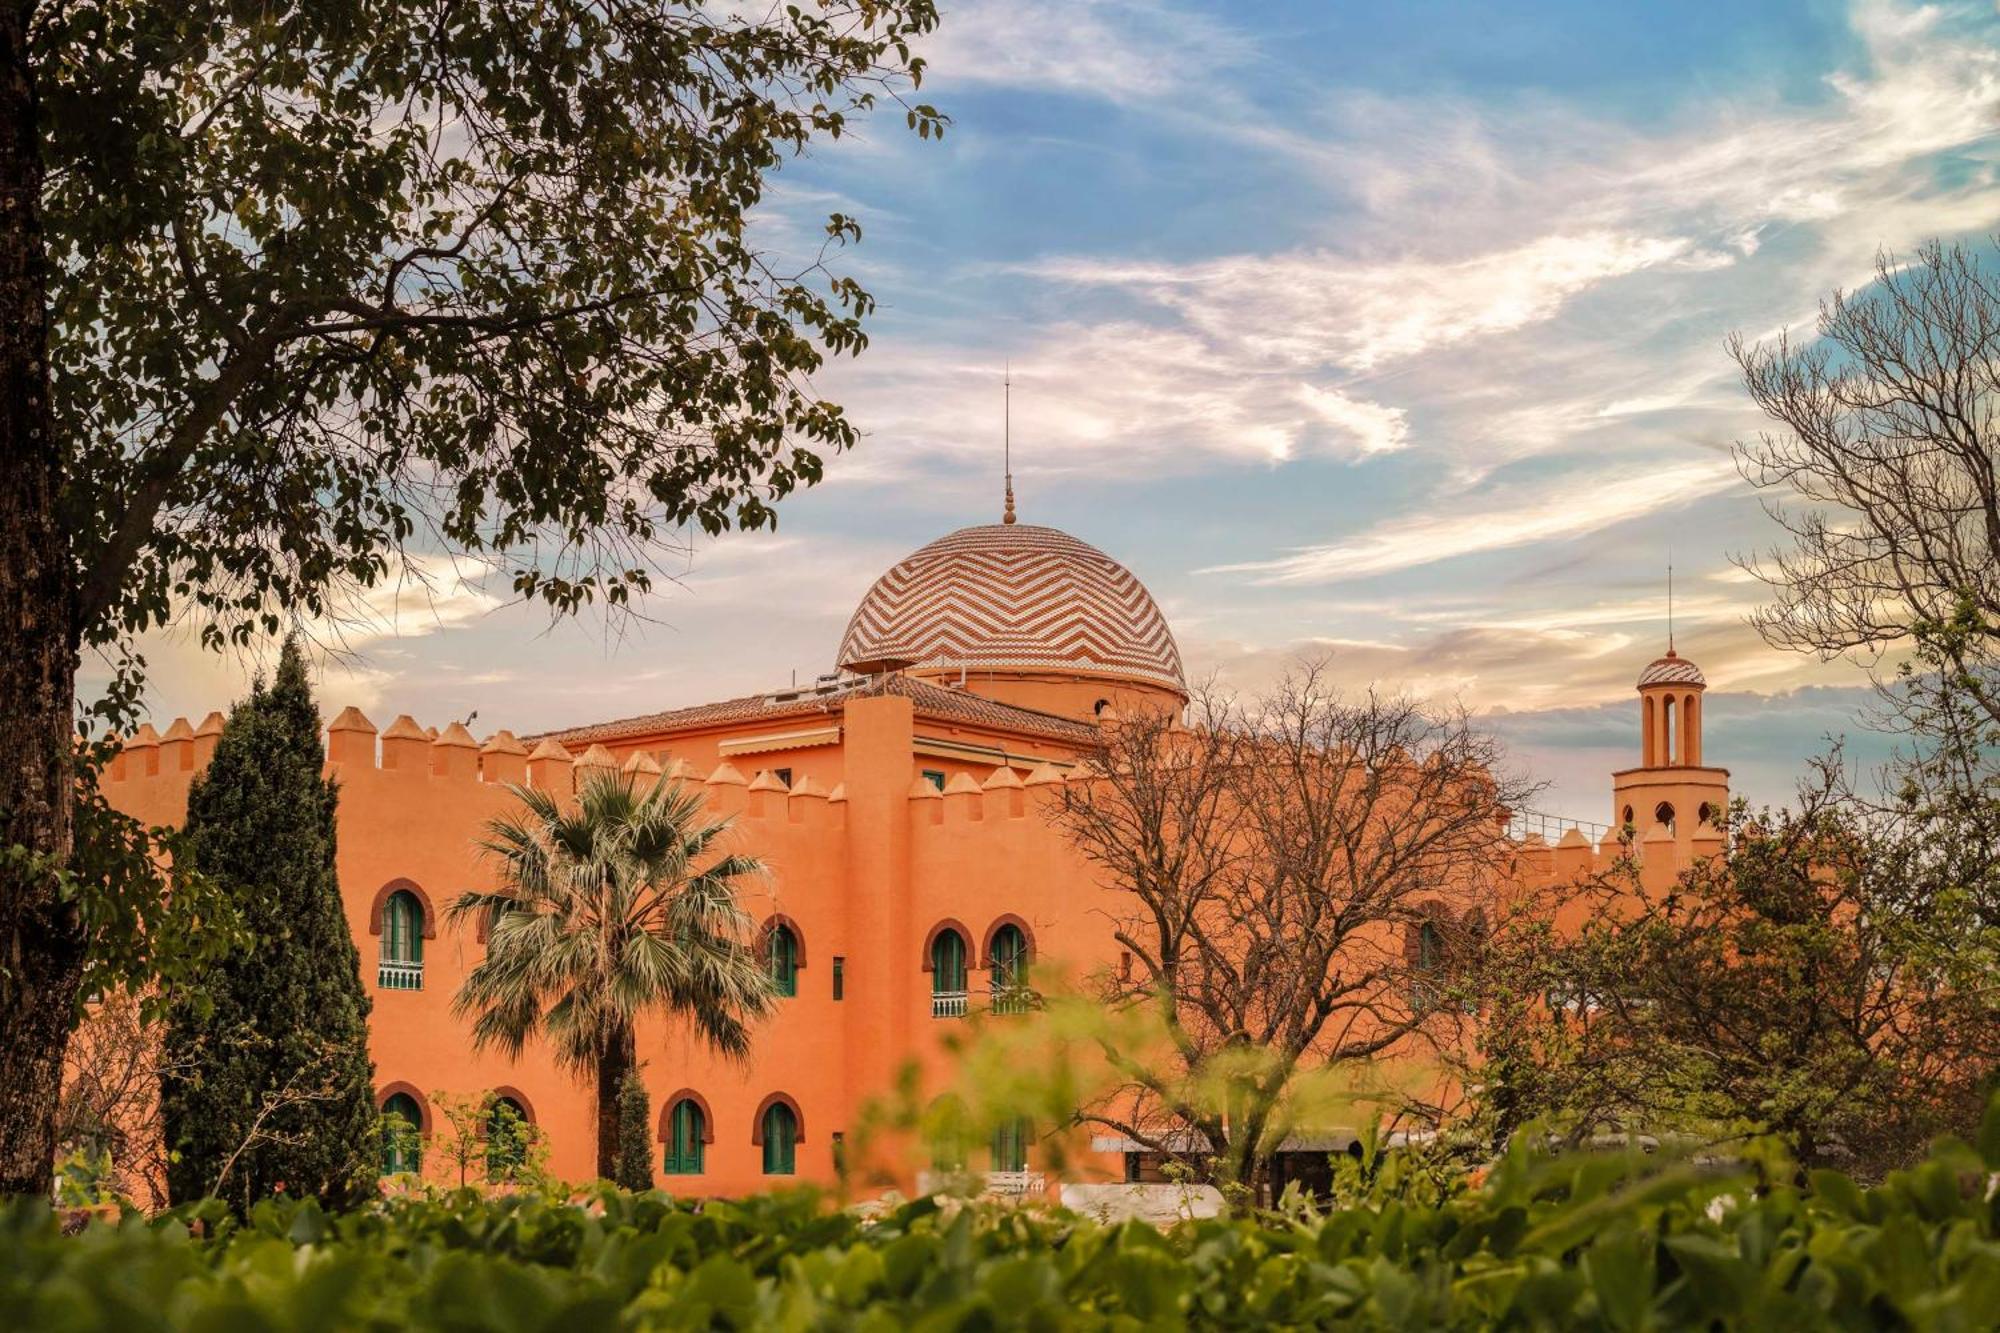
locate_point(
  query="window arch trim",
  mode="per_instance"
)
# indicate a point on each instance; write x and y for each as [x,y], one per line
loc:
[1430,914]
[770,928]
[993,933]
[519,1099]
[388,1090]
[390,890]
[785,1100]
[930,940]
[700,1104]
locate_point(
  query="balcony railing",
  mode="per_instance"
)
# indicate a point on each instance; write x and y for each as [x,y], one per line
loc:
[1010,1000]
[947,1004]
[1016,1183]
[400,976]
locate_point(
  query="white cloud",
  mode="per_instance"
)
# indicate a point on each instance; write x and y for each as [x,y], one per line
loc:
[1374,428]
[1116,50]
[1504,518]
[1318,308]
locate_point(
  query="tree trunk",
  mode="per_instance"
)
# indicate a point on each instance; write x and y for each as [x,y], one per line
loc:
[619,1053]
[41,936]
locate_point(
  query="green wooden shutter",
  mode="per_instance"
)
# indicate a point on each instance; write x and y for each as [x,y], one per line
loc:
[780,1135]
[1010,1145]
[948,962]
[784,960]
[684,1139]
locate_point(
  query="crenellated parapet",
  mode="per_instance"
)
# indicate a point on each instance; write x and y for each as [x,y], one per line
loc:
[1658,856]
[1003,798]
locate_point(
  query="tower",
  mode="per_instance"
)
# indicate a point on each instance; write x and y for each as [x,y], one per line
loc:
[1670,786]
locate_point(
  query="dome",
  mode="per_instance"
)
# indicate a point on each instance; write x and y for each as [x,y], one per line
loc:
[1672,670]
[1012,597]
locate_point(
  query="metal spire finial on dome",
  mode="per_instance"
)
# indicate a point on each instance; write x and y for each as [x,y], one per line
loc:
[1670,603]
[1007,435]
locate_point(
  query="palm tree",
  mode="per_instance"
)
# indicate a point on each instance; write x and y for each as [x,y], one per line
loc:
[606,908]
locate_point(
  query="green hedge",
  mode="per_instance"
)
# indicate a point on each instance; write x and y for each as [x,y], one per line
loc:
[1576,1242]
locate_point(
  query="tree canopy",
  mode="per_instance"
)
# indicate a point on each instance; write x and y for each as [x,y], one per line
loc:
[330,281]
[293,292]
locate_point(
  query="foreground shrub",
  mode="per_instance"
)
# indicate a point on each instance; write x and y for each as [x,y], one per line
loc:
[1547,1242]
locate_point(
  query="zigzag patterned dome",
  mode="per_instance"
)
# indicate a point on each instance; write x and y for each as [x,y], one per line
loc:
[1012,597]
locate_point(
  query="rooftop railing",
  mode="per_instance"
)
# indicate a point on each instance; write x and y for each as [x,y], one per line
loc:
[1521,823]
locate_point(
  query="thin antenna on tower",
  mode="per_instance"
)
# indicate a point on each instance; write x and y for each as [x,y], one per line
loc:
[1670,602]
[1007,434]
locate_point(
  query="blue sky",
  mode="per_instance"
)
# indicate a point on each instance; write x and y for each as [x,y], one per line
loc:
[1387,331]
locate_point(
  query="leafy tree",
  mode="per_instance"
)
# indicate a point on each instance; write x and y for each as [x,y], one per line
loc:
[269,1082]
[1275,864]
[611,907]
[290,292]
[635,1139]
[1804,984]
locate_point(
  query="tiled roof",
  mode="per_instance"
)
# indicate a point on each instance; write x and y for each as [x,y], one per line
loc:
[938,702]
[1008,596]
[1672,669]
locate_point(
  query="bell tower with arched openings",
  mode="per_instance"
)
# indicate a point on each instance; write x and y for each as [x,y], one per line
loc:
[1671,786]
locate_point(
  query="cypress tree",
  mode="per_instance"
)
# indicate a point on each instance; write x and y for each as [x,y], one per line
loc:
[283,1034]
[635,1147]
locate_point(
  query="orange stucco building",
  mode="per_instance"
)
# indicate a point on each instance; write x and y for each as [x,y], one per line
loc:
[896,803]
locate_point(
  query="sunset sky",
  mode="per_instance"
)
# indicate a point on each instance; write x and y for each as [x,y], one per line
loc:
[1388,331]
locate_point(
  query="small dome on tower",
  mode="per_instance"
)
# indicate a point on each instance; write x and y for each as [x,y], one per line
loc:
[1672,669]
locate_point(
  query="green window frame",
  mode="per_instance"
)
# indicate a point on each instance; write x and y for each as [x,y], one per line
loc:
[402,1135]
[506,1137]
[935,776]
[402,950]
[1430,949]
[781,955]
[1007,974]
[947,962]
[781,1140]
[1010,1144]
[1010,958]
[686,1128]
[839,977]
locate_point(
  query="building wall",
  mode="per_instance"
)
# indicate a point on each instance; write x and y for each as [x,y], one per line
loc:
[865,856]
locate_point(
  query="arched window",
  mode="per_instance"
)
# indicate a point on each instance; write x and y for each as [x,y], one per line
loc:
[781,1140]
[948,975]
[402,961]
[1706,814]
[507,1133]
[781,955]
[1007,963]
[1430,949]
[1663,814]
[1669,743]
[1626,818]
[402,1135]
[686,1131]
[1010,1144]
